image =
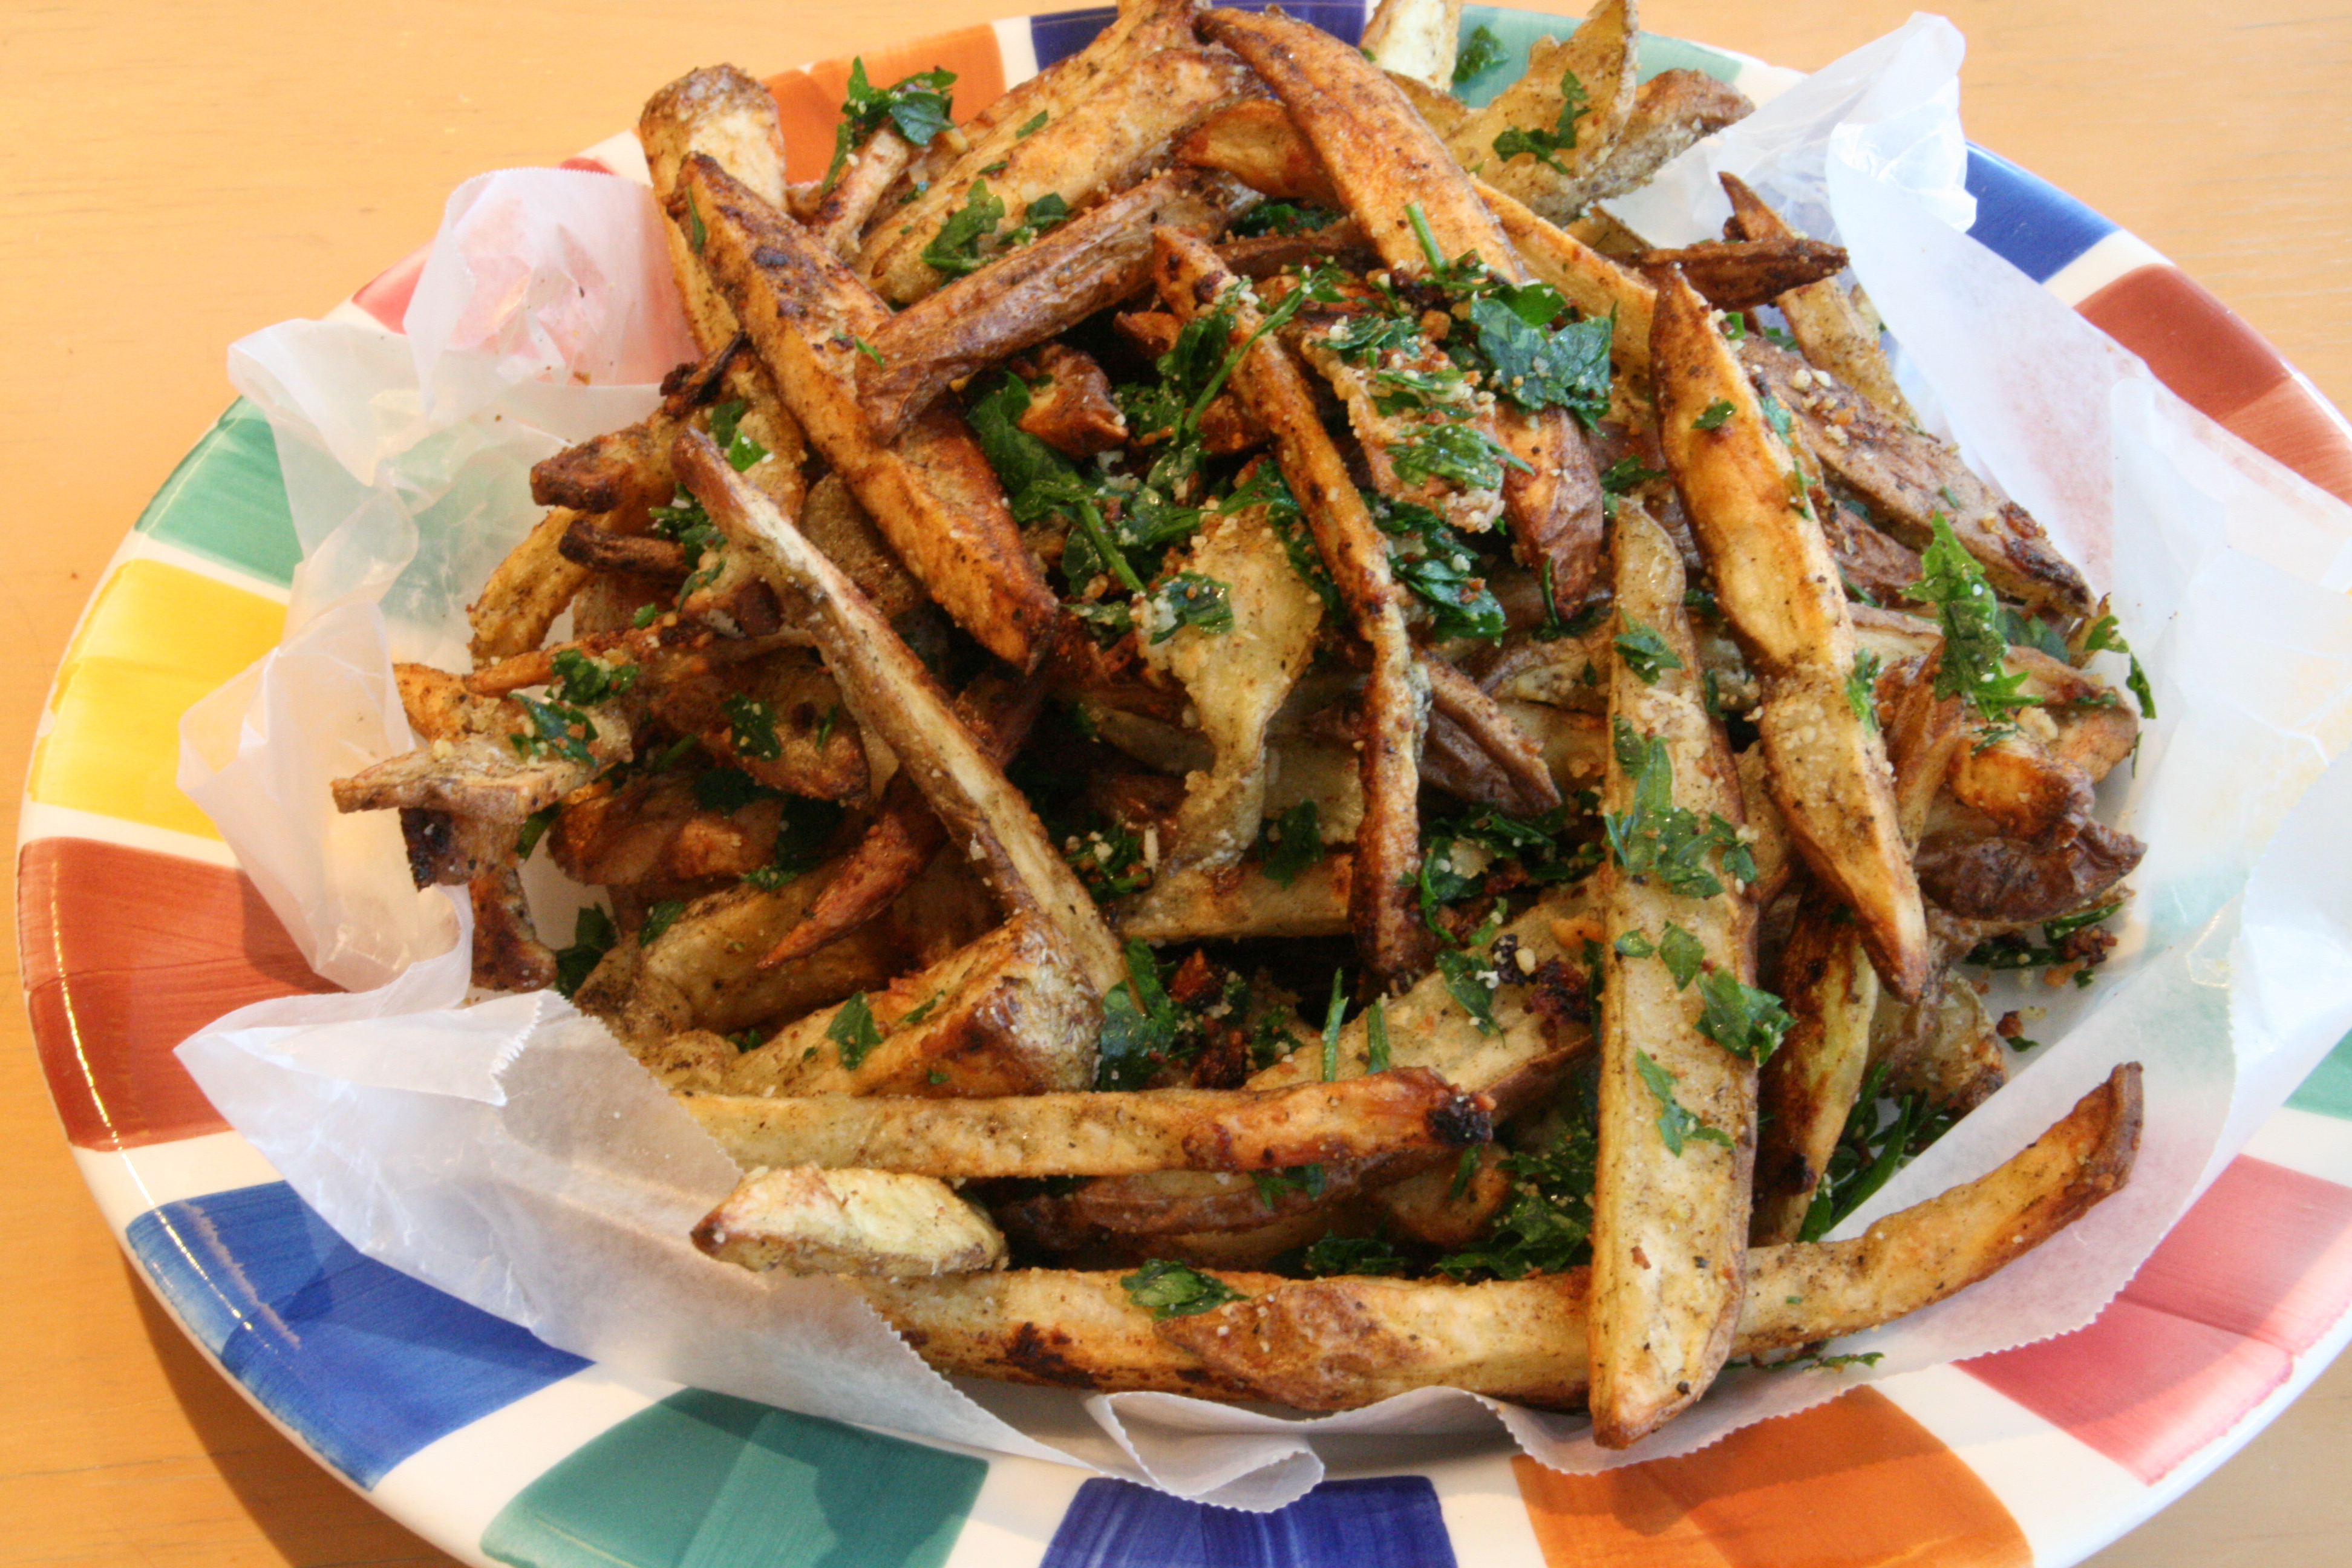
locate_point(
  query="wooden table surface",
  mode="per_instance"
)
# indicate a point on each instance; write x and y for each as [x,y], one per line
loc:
[173,175]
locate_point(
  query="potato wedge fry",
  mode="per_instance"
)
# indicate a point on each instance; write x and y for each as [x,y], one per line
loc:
[874,1224]
[1198,903]
[726,115]
[1599,57]
[1743,274]
[1806,1090]
[932,493]
[1908,478]
[1455,695]
[526,592]
[1122,135]
[1779,591]
[891,693]
[1046,287]
[841,217]
[1673,112]
[1821,315]
[1255,142]
[1678,1113]
[1330,1344]
[1942,1045]
[1008,1015]
[1101,1134]
[1396,694]
[2014,883]
[1055,1327]
[1388,168]
[1417,38]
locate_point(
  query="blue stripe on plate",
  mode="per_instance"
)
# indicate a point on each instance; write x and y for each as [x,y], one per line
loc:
[365,1364]
[1060,34]
[1393,1522]
[2034,225]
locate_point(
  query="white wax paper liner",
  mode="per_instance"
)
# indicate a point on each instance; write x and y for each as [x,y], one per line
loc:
[512,1155]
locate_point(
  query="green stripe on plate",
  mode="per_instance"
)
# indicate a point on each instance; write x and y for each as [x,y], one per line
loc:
[1518,30]
[227,501]
[2328,1090]
[704,1480]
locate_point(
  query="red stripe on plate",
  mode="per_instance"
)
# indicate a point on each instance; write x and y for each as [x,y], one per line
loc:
[125,954]
[2201,349]
[1855,1483]
[386,295]
[2144,1387]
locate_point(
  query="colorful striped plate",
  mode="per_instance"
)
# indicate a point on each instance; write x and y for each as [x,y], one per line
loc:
[137,927]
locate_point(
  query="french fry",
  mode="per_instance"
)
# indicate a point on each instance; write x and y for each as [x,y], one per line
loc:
[1823,318]
[1253,141]
[1396,694]
[931,493]
[1123,135]
[1010,1013]
[889,690]
[1677,1114]
[526,592]
[1808,1088]
[1743,274]
[1388,166]
[1598,58]
[1046,287]
[1101,1134]
[1586,278]
[873,1223]
[1330,1344]
[728,116]
[1673,112]
[1779,591]
[1416,39]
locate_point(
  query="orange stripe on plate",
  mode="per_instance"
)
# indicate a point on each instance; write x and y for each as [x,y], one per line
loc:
[126,953]
[1855,1483]
[156,638]
[809,101]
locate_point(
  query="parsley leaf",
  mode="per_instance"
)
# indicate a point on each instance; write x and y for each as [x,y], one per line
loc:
[1291,844]
[1879,1140]
[955,250]
[1139,1024]
[1628,474]
[1741,1019]
[1541,145]
[1658,839]
[1537,368]
[557,730]
[1177,1289]
[593,936]
[659,918]
[1272,1184]
[1376,1037]
[1284,217]
[751,727]
[1471,979]
[1335,1254]
[801,833]
[2105,634]
[1862,688]
[583,682]
[1974,646]
[1681,953]
[1644,651]
[1481,51]
[1192,599]
[917,108]
[1547,1227]
[1713,416]
[853,1031]
[1678,1125]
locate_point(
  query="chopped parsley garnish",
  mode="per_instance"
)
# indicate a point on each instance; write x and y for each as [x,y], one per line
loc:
[1177,1289]
[923,1011]
[593,936]
[1471,979]
[534,828]
[955,250]
[730,790]
[583,682]
[1108,858]
[1634,944]
[1658,839]
[801,833]
[1533,844]
[917,108]
[1879,1140]
[1291,844]
[1862,688]
[1460,455]
[1540,368]
[2062,942]
[1547,1228]
[1542,145]
[1190,599]
[1678,1125]
[1434,562]
[558,730]
[1819,1362]
[2105,634]
[659,918]
[1681,953]
[1628,474]
[1713,416]
[1272,1184]
[1284,217]
[1141,1025]
[853,1031]
[697,233]
[1332,1016]
[1741,1019]
[1644,651]
[1335,1254]
[1974,646]
[1033,124]
[1376,1037]
[751,727]
[1481,51]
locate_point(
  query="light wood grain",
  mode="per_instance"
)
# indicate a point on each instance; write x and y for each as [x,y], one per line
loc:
[174,175]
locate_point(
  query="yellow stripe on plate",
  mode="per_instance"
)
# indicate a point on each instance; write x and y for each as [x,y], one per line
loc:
[156,638]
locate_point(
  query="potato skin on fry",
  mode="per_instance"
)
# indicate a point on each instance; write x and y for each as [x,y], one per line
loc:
[877,1224]
[1101,1134]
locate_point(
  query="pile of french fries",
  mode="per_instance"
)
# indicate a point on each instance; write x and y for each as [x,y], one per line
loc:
[1531,733]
